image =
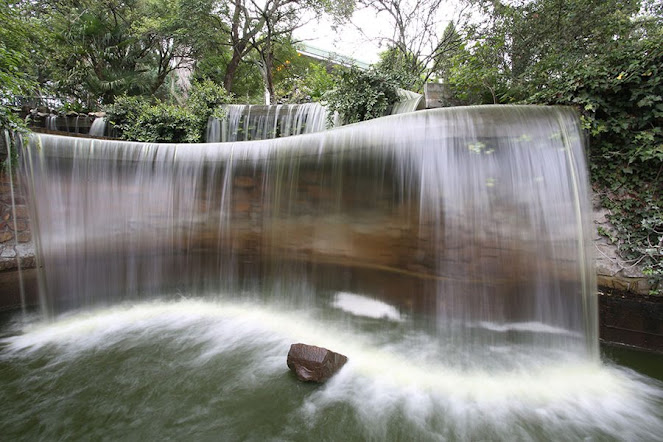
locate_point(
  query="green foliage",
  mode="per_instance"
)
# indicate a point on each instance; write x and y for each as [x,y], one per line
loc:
[137,119]
[164,122]
[205,99]
[124,113]
[474,75]
[606,60]
[317,81]
[14,55]
[247,87]
[398,66]
[523,45]
[620,96]
[94,51]
[297,79]
[361,95]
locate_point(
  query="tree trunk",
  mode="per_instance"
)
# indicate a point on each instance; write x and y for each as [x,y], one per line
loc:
[231,70]
[268,77]
[266,66]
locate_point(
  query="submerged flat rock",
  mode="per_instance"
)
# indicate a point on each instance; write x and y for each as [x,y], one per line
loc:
[314,364]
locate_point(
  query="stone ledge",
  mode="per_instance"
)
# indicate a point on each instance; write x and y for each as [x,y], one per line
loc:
[612,272]
[631,320]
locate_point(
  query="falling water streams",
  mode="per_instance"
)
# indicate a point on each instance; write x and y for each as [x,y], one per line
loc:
[10,173]
[244,122]
[445,252]
[98,127]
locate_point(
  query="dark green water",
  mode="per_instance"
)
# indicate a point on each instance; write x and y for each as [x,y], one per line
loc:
[215,370]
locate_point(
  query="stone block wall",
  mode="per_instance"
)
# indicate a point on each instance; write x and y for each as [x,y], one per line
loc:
[612,272]
[15,233]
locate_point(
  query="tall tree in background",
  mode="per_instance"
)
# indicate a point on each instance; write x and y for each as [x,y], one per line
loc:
[526,42]
[258,25]
[420,42]
[15,41]
[98,50]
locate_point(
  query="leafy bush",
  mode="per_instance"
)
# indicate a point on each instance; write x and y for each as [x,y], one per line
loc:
[125,112]
[620,96]
[165,123]
[137,119]
[206,98]
[361,95]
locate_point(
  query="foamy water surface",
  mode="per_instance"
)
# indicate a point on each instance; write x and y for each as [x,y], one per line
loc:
[220,366]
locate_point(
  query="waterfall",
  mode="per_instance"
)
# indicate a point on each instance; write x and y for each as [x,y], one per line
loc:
[98,127]
[51,122]
[446,253]
[486,205]
[408,102]
[245,122]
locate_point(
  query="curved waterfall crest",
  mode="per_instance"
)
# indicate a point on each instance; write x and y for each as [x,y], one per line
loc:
[446,253]
[488,202]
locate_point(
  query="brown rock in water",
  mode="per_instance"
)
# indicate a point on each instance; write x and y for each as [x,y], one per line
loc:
[314,364]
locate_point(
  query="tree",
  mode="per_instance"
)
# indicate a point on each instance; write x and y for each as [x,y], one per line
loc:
[416,46]
[475,74]
[255,25]
[529,42]
[98,50]
[15,38]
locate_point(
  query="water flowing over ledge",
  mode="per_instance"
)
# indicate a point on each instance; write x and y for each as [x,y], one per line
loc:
[446,252]
[246,122]
[489,203]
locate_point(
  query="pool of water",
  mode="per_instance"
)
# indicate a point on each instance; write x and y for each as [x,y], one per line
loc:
[214,368]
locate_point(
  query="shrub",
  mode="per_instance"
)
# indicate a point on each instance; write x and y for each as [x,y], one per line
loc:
[361,95]
[620,96]
[137,119]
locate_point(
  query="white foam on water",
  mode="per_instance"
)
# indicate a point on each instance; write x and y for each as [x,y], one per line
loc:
[378,379]
[534,327]
[359,305]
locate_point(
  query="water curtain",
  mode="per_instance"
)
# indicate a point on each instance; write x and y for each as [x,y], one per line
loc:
[244,122]
[488,206]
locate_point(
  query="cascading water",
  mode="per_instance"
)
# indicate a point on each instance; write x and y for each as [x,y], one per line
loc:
[445,252]
[245,122]
[98,127]
[51,122]
[409,102]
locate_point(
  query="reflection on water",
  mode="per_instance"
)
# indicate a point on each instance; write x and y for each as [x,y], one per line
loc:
[206,370]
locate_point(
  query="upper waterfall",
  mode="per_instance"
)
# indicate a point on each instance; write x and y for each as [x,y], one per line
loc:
[244,122]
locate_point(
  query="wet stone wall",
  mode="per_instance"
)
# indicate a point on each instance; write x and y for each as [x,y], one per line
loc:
[16,244]
[15,233]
